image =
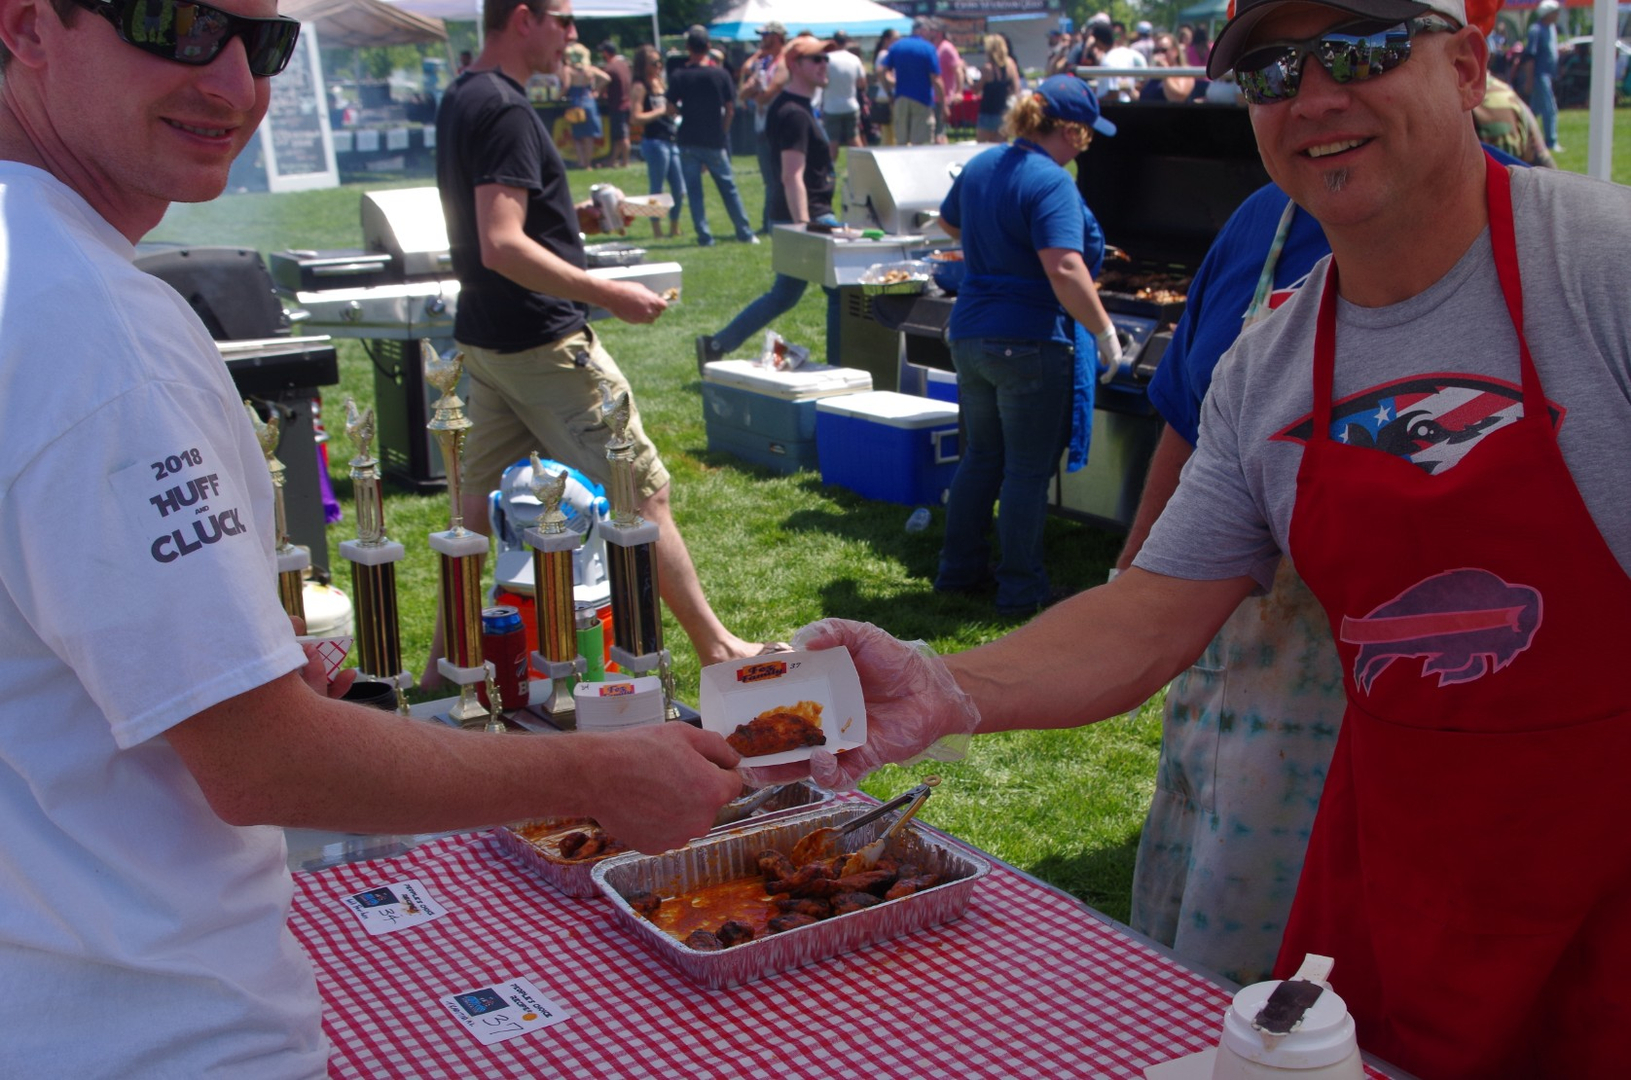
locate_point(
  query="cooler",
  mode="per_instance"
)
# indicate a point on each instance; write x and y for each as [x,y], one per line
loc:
[893,447]
[768,417]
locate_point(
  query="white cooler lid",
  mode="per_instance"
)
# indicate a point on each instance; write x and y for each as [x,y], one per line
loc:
[892,409]
[808,382]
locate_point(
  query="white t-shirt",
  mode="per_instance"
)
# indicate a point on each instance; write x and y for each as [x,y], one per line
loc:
[139,934]
[1122,56]
[843,69]
[1422,378]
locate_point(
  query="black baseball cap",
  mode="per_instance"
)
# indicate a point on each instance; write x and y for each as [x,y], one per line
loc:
[1244,15]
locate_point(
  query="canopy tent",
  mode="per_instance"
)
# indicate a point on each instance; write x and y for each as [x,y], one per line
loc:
[1206,11]
[364,24]
[470,10]
[857,18]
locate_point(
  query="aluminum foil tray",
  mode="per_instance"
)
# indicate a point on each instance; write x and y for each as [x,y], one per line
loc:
[573,876]
[873,283]
[733,855]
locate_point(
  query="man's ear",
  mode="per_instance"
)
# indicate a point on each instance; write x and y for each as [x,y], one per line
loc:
[522,20]
[1469,58]
[20,29]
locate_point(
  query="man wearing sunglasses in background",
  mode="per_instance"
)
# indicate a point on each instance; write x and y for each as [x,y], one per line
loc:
[151,688]
[1436,437]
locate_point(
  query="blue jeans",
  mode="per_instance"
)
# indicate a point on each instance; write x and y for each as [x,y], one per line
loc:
[693,159]
[1544,102]
[663,163]
[784,293]
[766,156]
[1015,401]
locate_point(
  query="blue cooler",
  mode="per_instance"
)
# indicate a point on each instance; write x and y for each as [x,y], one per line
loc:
[766,416]
[897,448]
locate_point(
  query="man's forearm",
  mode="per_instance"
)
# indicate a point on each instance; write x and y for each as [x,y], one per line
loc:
[534,267]
[1096,655]
[798,200]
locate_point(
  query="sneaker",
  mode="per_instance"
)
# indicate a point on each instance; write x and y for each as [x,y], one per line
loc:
[706,353]
[749,239]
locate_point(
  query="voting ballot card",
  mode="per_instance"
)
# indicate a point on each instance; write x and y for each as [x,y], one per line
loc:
[386,908]
[501,1011]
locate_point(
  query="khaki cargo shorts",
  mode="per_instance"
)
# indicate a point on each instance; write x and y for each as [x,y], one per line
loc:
[548,399]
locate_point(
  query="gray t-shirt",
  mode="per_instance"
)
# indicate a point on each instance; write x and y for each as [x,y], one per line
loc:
[1446,359]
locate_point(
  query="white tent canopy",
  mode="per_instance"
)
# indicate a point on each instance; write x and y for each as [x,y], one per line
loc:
[857,18]
[470,10]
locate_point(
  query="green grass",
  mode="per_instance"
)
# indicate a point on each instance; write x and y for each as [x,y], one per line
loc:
[775,552]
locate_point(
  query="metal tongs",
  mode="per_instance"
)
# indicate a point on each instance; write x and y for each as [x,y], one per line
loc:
[823,842]
[736,811]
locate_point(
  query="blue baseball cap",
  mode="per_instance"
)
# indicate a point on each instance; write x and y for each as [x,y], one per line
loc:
[1065,97]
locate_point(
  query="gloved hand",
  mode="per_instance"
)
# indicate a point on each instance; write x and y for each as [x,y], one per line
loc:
[1109,352]
[914,708]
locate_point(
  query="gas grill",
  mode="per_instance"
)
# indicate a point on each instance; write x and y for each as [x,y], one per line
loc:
[1161,188]
[400,289]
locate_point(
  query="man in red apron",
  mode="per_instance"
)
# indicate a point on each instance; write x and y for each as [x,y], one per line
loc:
[1435,431]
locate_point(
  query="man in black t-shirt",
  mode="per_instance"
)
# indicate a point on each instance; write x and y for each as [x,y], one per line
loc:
[704,98]
[535,366]
[800,191]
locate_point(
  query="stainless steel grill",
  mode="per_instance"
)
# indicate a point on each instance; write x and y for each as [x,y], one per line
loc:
[400,289]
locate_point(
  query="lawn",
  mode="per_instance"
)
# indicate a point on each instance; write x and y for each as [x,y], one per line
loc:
[775,552]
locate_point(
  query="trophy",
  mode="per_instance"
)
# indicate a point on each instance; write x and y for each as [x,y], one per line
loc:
[291,561]
[555,614]
[460,549]
[373,559]
[631,556]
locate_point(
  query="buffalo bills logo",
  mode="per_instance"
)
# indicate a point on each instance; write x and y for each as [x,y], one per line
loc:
[1463,623]
[1432,421]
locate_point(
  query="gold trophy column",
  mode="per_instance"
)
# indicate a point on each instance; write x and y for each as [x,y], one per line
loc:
[552,546]
[460,549]
[292,561]
[373,559]
[631,557]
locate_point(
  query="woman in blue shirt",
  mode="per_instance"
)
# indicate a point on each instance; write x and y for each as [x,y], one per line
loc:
[1030,247]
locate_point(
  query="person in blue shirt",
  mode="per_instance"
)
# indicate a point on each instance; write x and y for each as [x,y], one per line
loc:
[1540,64]
[1030,246]
[916,68]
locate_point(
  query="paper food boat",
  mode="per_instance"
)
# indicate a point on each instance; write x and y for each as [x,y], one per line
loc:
[734,693]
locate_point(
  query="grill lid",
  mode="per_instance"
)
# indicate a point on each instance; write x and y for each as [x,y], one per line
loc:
[1174,172]
[899,188]
[407,225]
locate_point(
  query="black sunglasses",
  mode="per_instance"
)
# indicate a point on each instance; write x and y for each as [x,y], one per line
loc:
[1273,73]
[566,19]
[193,33]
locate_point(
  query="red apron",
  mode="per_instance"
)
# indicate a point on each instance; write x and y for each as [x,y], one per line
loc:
[1468,869]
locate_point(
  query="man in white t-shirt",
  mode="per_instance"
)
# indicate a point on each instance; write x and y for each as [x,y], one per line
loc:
[1122,88]
[158,709]
[843,95]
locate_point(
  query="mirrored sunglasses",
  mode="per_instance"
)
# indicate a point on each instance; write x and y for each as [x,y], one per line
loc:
[1272,73]
[193,33]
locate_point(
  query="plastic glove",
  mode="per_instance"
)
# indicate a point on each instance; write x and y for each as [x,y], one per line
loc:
[1109,352]
[914,708]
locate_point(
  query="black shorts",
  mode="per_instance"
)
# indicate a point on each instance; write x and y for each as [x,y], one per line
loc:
[619,122]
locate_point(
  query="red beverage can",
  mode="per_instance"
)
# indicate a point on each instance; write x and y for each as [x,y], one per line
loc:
[504,643]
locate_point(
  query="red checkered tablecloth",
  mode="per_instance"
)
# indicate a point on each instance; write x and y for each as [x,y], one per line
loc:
[1026,984]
